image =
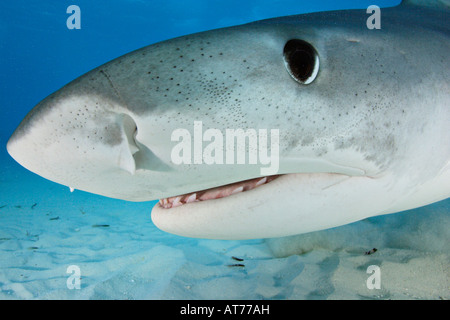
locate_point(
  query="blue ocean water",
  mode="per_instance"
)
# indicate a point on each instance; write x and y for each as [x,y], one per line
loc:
[38,55]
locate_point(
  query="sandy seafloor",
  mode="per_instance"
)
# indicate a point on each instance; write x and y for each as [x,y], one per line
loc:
[44,228]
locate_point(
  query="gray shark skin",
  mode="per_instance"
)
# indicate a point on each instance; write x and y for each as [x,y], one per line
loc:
[369,135]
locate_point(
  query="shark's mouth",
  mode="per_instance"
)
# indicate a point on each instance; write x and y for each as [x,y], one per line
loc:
[215,193]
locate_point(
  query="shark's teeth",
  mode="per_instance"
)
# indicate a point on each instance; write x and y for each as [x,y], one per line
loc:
[237,190]
[262,181]
[191,198]
[215,193]
[177,202]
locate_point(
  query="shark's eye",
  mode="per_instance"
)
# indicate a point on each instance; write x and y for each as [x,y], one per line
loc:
[301,60]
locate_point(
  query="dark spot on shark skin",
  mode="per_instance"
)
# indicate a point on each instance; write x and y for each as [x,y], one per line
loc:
[112,134]
[307,141]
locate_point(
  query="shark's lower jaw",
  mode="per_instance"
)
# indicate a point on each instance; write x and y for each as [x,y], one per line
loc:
[267,210]
[215,193]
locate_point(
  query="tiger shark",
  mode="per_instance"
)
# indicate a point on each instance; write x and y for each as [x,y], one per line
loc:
[363,118]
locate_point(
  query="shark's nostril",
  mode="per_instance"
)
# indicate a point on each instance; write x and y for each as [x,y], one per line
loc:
[143,157]
[130,131]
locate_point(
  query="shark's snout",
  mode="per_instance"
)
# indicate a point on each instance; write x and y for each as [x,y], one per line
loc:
[75,137]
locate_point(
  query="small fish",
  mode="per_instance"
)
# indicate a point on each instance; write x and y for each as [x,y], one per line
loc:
[34,205]
[56,218]
[236,265]
[100,225]
[33,248]
[3,206]
[371,251]
[18,207]
[237,259]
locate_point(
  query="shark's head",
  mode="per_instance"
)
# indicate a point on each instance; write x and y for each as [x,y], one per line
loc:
[339,123]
